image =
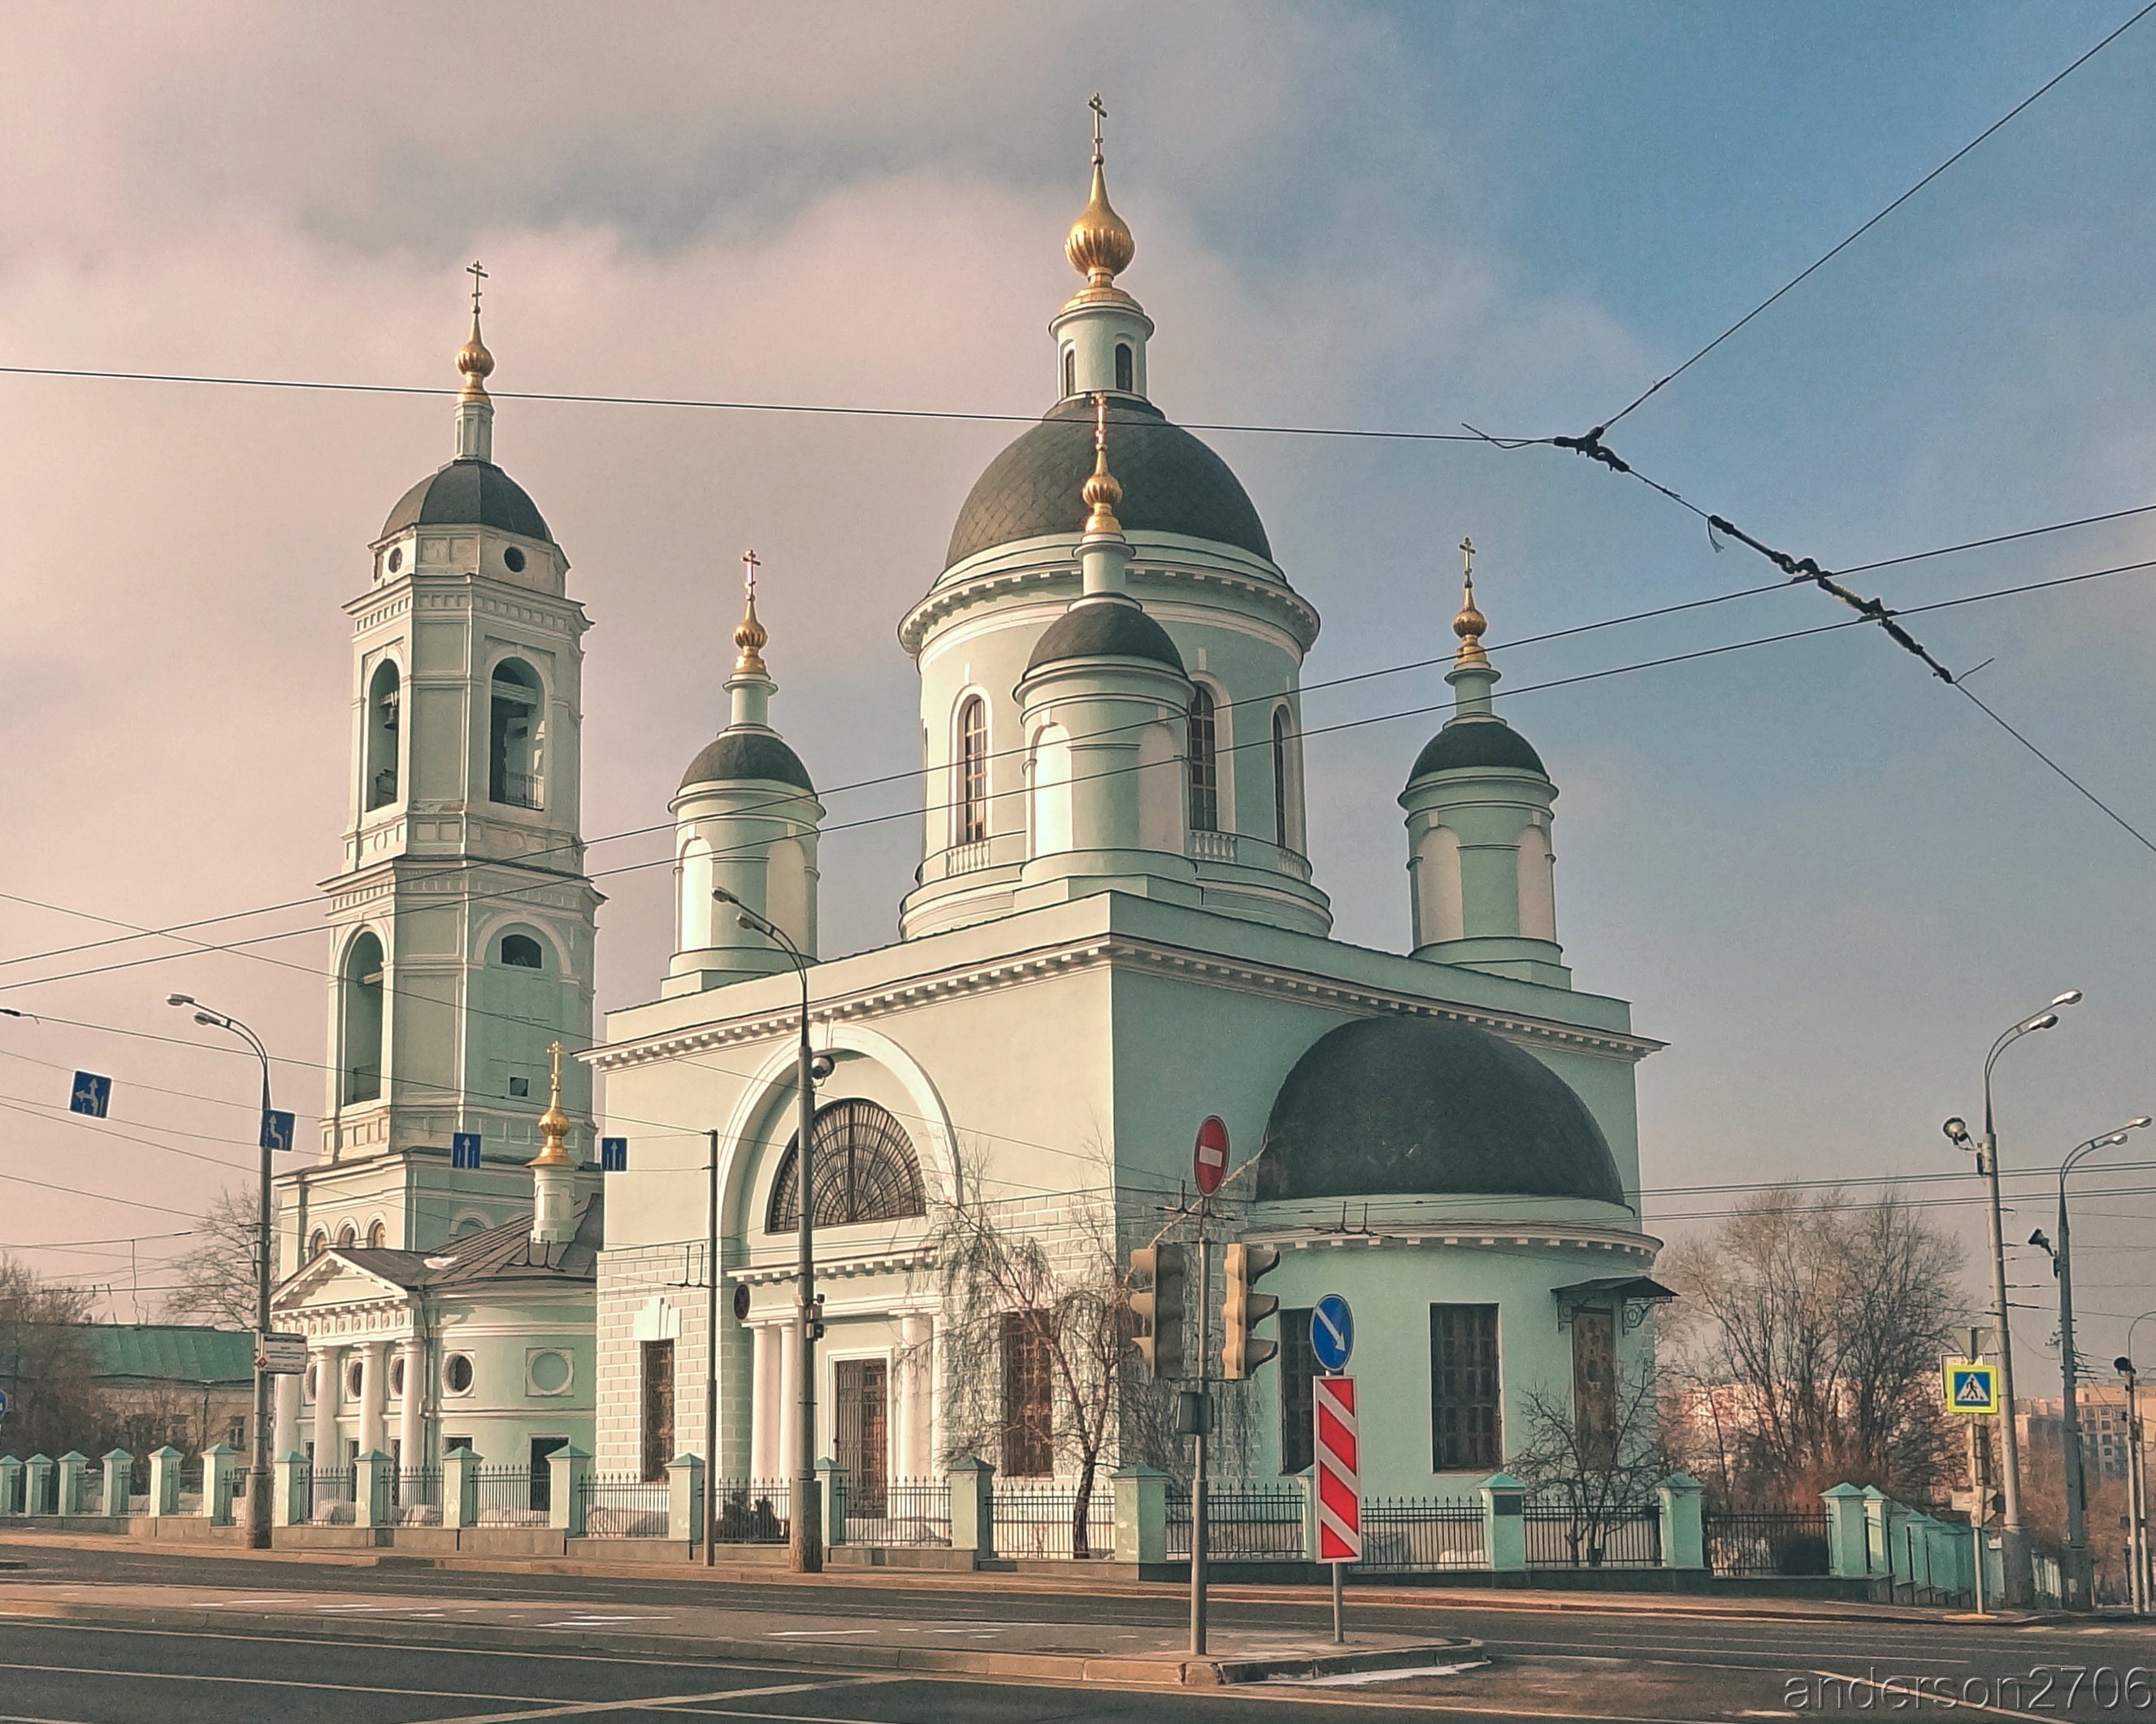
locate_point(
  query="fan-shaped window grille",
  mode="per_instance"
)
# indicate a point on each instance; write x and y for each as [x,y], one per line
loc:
[866,1171]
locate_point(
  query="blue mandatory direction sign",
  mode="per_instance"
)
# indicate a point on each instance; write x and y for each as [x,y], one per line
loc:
[91,1095]
[464,1148]
[613,1154]
[277,1128]
[1332,1332]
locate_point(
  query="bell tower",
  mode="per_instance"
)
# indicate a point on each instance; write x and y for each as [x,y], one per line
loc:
[463,922]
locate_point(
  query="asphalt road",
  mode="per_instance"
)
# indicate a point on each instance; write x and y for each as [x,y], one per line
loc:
[1583,1664]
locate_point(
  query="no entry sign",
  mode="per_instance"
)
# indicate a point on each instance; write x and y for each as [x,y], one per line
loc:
[1208,1157]
[1339,1472]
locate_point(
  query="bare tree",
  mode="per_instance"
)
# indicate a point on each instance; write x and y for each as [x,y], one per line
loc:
[213,1282]
[47,1364]
[1808,1347]
[1603,1470]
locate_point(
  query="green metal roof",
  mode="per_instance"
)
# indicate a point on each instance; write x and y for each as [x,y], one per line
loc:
[172,1352]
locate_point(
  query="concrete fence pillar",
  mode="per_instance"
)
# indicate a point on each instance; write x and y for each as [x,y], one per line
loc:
[973,1506]
[11,1485]
[1308,1478]
[74,1467]
[1141,1514]
[119,1482]
[459,1487]
[1845,1537]
[1878,1537]
[685,1499]
[1504,1522]
[37,1485]
[371,1475]
[291,1495]
[220,1480]
[1684,1527]
[831,1478]
[165,1480]
[568,1498]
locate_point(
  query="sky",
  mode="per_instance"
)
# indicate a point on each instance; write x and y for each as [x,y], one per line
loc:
[1823,877]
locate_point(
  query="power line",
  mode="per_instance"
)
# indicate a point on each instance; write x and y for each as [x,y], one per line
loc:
[1835,251]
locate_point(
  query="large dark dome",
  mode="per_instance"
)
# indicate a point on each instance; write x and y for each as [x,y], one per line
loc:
[1103,628]
[1172,483]
[1392,1105]
[1478,742]
[747,754]
[469,492]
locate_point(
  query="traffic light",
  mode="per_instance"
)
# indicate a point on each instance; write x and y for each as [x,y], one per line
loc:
[1157,1302]
[1242,1352]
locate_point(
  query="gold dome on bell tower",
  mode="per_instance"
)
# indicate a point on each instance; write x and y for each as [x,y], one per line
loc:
[1099,244]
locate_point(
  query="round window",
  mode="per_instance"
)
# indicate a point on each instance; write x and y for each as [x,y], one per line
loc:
[514,559]
[397,1376]
[352,1379]
[457,1374]
[397,559]
[549,1372]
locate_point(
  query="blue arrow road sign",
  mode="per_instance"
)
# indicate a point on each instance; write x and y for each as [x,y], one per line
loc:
[464,1148]
[613,1154]
[1332,1332]
[277,1127]
[91,1095]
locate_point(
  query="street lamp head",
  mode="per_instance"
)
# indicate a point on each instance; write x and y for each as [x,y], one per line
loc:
[203,1017]
[2038,1240]
[2136,1125]
[2042,1020]
[179,999]
[2122,1365]
[724,896]
[1957,1131]
[2072,996]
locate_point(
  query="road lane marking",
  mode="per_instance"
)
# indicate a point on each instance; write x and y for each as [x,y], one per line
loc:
[263,1682]
[682,1702]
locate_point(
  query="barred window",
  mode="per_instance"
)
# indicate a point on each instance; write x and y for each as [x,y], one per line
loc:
[1204,761]
[866,1171]
[1123,367]
[1595,1386]
[1028,1448]
[1298,1368]
[1464,1417]
[974,770]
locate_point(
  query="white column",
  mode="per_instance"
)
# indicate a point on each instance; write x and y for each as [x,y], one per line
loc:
[284,1430]
[921,1401]
[373,1393]
[787,1461]
[763,1403]
[907,1400]
[329,1398]
[411,1414]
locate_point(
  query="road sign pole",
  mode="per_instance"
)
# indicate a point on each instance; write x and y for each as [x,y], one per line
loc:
[1198,1490]
[1339,1605]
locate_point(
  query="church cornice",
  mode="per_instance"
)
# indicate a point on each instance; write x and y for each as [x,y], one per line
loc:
[1125,952]
[1467,1233]
[467,592]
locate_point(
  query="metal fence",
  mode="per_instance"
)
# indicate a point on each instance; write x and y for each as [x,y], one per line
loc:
[415,1496]
[901,1512]
[1751,1546]
[1407,1534]
[1043,1521]
[332,1495]
[1558,1538]
[1242,1523]
[625,1506]
[506,1496]
[752,1512]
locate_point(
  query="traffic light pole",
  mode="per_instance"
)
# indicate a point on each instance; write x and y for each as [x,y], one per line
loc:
[1197,1483]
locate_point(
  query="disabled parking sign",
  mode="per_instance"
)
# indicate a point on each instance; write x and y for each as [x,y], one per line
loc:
[1971,1389]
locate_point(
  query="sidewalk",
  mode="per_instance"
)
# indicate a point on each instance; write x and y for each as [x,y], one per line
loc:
[1060,1652]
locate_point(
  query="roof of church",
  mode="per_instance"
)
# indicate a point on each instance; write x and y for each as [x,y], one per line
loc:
[507,1253]
[747,753]
[1477,742]
[1422,1105]
[1104,629]
[469,492]
[170,1352]
[1172,483]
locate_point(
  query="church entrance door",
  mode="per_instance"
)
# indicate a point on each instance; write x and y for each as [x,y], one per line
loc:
[863,1417]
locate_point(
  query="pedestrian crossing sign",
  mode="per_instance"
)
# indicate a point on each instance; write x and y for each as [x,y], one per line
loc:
[1972,1390]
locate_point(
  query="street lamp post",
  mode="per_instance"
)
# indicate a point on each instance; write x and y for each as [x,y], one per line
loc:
[258,1477]
[2137,1507]
[804,1543]
[2080,1578]
[2014,1532]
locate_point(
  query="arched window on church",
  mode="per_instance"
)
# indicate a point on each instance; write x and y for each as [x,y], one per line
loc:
[1070,372]
[318,1242]
[514,736]
[1124,364]
[1283,827]
[972,771]
[866,1171]
[519,951]
[384,698]
[362,991]
[1204,761]
[377,1235]
[347,1236]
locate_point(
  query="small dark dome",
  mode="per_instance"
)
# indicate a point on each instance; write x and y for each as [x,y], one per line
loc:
[747,754]
[469,492]
[1172,483]
[1478,742]
[1104,628]
[1393,1105]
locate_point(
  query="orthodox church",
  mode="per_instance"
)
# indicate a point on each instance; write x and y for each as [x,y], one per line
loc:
[1114,933]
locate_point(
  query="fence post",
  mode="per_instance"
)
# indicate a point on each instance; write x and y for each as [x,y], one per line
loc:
[1878,1532]
[973,1506]
[833,1496]
[370,1489]
[571,1470]
[1504,1522]
[11,1485]
[119,1483]
[291,1502]
[1141,1514]
[165,1480]
[73,1466]
[685,1499]
[1845,1532]
[220,1465]
[461,1488]
[37,1483]
[1684,1531]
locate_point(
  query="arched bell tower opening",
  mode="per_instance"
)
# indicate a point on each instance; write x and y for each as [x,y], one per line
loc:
[385,699]
[361,989]
[515,733]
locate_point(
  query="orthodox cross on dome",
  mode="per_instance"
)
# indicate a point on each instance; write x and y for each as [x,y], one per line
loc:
[750,636]
[479,276]
[1471,622]
[1099,244]
[475,364]
[1101,491]
[1099,113]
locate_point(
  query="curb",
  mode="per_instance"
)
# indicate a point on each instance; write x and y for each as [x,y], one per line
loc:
[1064,1667]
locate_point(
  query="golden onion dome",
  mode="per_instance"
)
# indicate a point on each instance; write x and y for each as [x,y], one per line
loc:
[1470,622]
[475,364]
[1099,245]
[750,635]
[553,1123]
[1102,491]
